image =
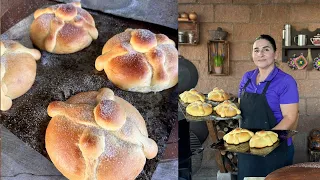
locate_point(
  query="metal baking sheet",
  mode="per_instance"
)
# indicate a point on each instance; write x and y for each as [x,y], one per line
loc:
[216,103]
[144,10]
[213,103]
[245,148]
[212,117]
[61,76]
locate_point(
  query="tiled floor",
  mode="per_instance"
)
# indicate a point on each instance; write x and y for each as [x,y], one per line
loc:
[204,165]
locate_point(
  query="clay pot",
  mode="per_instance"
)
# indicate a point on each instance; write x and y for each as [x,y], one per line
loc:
[184,15]
[193,16]
[218,69]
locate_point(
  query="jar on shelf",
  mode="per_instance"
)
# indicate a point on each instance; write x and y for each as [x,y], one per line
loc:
[182,37]
[191,37]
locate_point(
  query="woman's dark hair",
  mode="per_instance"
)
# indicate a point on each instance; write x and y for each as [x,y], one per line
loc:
[268,38]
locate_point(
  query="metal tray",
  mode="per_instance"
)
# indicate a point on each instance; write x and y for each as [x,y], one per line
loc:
[212,117]
[213,103]
[61,76]
[245,148]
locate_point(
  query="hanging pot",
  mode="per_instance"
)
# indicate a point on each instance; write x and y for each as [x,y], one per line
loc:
[218,34]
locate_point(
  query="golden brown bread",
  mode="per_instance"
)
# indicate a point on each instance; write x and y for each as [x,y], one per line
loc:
[97,135]
[18,71]
[191,96]
[63,28]
[199,108]
[227,109]
[218,95]
[237,136]
[263,139]
[139,60]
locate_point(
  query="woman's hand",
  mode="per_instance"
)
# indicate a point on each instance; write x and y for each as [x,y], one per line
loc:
[290,117]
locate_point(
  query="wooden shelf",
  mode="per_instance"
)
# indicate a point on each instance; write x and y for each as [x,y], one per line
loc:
[191,44]
[289,51]
[302,47]
[188,26]
[186,20]
[222,74]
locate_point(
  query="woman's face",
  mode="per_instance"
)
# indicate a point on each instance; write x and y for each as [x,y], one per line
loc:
[263,54]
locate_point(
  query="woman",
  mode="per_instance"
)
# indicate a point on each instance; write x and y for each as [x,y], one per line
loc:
[268,100]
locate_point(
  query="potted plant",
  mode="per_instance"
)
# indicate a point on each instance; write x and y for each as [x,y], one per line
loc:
[218,62]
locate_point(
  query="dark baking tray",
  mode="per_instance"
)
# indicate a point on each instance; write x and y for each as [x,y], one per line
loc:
[212,117]
[61,76]
[244,148]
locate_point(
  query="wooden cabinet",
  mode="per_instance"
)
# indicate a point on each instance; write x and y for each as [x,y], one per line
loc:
[188,32]
[289,51]
[218,56]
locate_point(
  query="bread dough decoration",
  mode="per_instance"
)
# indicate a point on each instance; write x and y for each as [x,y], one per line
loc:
[237,136]
[227,109]
[199,108]
[191,96]
[63,28]
[263,139]
[140,61]
[18,71]
[218,95]
[96,135]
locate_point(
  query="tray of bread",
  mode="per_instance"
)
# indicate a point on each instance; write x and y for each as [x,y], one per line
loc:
[202,107]
[202,111]
[253,141]
[214,97]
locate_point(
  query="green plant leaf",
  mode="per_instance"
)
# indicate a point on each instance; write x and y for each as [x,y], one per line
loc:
[218,60]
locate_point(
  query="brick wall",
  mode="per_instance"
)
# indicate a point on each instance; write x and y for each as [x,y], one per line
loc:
[244,20]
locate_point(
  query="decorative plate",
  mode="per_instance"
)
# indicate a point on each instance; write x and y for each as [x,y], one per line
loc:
[316,63]
[291,63]
[301,62]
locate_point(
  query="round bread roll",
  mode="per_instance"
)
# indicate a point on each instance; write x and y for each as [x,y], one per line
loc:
[237,136]
[97,135]
[18,71]
[63,28]
[199,108]
[227,109]
[263,139]
[191,96]
[140,61]
[218,95]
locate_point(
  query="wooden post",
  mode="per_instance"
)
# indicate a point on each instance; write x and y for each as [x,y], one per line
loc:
[213,134]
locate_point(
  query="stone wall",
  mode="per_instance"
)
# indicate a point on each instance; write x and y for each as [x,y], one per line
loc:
[244,20]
